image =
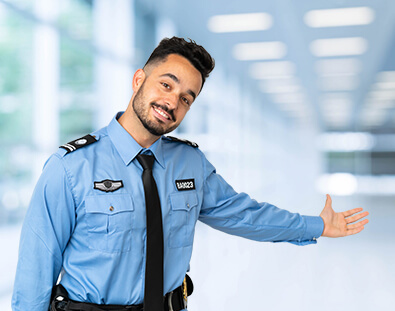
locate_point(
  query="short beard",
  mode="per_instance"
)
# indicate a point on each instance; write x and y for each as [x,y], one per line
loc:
[142,113]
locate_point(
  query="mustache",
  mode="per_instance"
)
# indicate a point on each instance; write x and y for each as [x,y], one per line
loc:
[165,108]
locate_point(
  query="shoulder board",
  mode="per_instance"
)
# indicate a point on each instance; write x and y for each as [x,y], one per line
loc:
[189,143]
[79,143]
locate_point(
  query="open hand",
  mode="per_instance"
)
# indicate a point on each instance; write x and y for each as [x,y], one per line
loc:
[343,223]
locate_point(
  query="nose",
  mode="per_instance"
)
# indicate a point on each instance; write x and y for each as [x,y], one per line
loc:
[171,101]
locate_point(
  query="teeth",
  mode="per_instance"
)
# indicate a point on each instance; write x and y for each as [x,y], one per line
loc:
[161,113]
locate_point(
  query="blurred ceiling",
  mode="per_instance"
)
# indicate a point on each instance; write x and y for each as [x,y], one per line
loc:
[329,61]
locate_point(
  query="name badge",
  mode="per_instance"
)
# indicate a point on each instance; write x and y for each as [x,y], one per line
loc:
[185,184]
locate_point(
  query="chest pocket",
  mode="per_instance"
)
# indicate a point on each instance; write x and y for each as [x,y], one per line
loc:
[109,222]
[183,218]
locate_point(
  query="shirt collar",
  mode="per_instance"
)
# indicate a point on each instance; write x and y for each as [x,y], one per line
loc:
[127,147]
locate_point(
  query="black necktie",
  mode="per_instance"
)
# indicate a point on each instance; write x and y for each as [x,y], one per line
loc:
[153,293]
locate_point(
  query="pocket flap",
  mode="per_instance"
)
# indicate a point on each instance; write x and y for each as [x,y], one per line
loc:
[183,201]
[109,204]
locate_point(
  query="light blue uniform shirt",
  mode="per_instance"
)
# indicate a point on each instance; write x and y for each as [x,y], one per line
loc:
[97,239]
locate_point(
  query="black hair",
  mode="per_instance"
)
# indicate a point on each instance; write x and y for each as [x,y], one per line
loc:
[194,53]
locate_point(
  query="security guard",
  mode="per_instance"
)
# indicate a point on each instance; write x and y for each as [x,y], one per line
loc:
[88,216]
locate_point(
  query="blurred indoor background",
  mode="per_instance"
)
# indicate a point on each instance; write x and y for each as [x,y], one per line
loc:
[301,103]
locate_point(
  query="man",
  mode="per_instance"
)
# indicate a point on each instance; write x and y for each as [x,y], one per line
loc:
[114,212]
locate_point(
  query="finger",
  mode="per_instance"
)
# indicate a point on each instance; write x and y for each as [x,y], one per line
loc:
[355,231]
[356,217]
[352,211]
[328,200]
[358,224]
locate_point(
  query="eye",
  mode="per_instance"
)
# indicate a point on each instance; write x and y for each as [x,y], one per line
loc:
[185,100]
[165,85]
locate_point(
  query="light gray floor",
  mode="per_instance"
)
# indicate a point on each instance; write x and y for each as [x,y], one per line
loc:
[230,273]
[356,273]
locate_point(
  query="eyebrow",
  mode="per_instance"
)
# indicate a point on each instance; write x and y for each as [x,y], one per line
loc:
[175,79]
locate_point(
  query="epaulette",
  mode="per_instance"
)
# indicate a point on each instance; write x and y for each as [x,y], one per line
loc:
[79,143]
[189,143]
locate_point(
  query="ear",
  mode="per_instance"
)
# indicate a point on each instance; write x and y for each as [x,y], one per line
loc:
[138,79]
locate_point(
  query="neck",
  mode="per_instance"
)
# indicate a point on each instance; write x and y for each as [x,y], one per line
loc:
[132,124]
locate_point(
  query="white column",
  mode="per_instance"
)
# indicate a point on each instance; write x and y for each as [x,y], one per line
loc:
[114,37]
[45,83]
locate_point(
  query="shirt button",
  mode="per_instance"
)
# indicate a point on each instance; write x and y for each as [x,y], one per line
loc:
[188,205]
[111,208]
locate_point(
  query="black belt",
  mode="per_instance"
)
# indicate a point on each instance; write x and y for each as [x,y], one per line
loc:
[176,300]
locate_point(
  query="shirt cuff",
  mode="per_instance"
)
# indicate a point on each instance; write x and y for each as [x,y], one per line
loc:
[314,229]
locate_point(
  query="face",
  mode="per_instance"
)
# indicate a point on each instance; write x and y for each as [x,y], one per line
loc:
[165,94]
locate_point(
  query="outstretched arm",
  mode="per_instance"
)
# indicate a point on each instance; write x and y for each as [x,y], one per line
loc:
[343,223]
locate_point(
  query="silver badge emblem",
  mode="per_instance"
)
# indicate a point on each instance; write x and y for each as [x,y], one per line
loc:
[108,185]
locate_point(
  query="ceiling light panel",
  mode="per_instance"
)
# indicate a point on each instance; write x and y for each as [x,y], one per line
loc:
[382,95]
[339,17]
[339,46]
[279,88]
[240,22]
[259,50]
[339,83]
[340,66]
[286,85]
[272,70]
[385,85]
[386,76]
[335,114]
[338,123]
[337,101]
[301,107]
[347,141]
[289,98]
[380,104]
[373,117]
[337,109]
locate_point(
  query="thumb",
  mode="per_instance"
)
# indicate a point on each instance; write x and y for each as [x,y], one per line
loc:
[327,210]
[328,202]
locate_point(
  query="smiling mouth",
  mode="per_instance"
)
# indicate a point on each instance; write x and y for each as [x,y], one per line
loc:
[162,113]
